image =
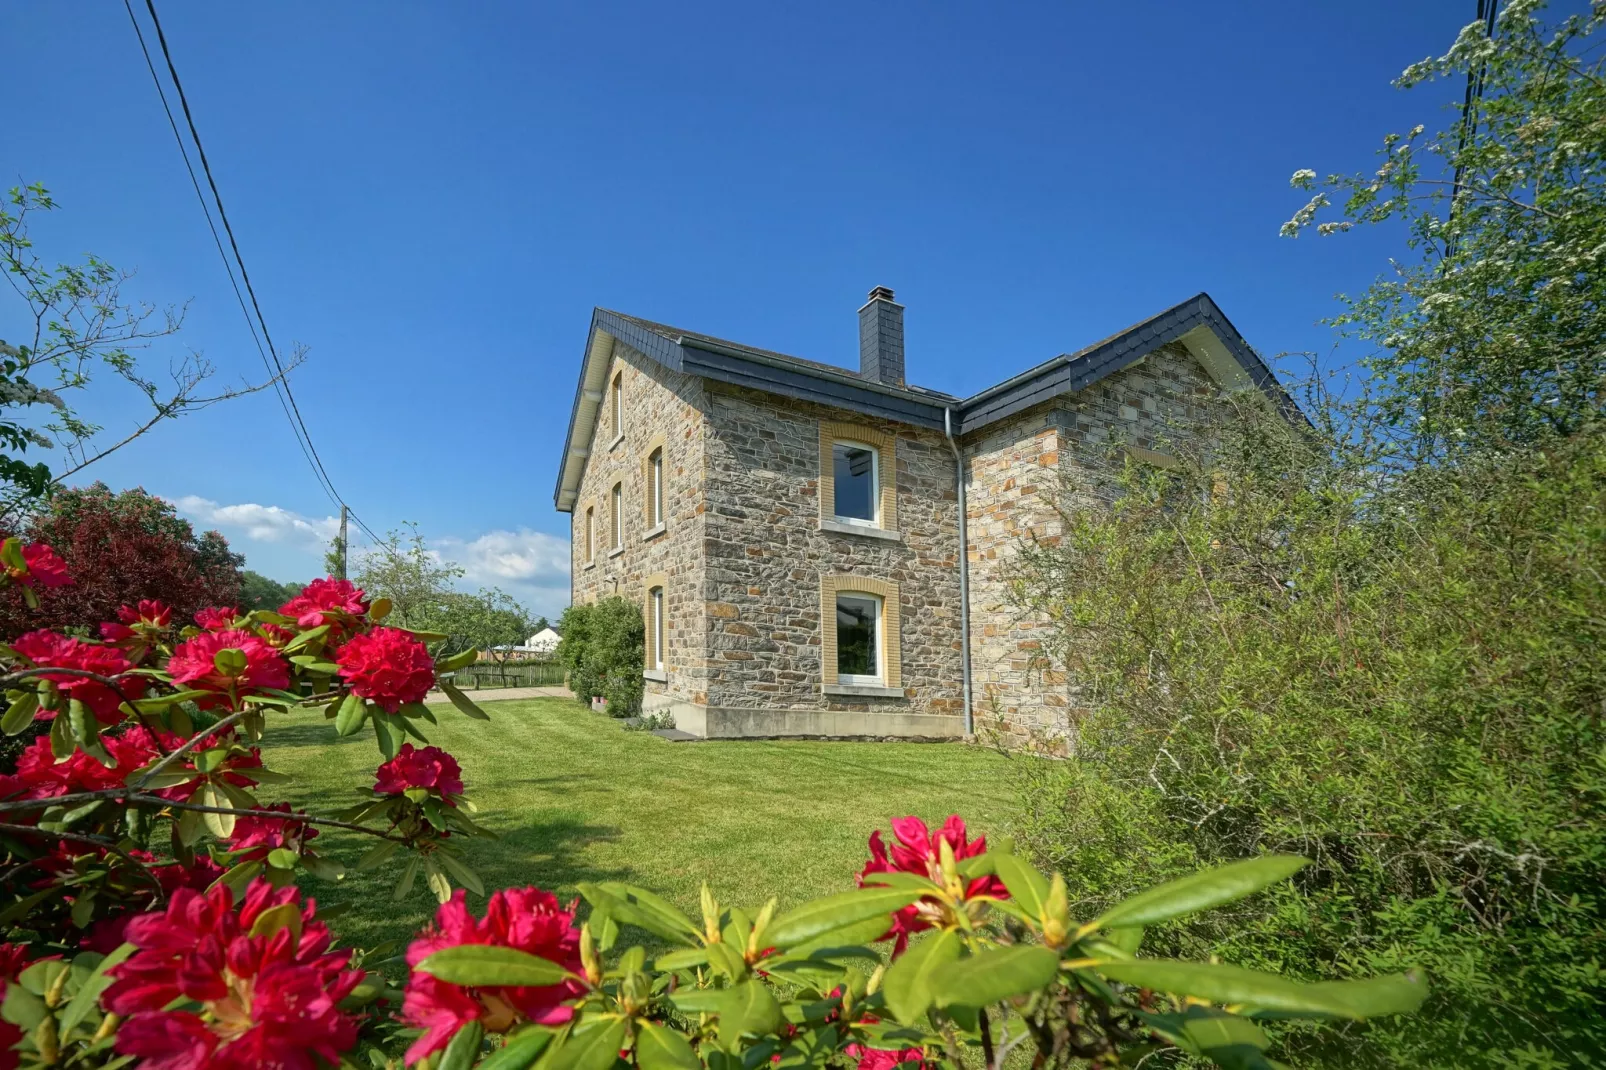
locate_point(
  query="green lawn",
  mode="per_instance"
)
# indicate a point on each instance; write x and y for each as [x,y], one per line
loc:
[575,797]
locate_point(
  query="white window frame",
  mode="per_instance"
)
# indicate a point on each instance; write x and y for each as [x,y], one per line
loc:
[655,638]
[655,489]
[879,631]
[616,515]
[591,533]
[617,402]
[875,484]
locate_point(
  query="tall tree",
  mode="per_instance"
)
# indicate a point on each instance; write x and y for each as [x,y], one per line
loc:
[415,579]
[120,548]
[1492,337]
[260,592]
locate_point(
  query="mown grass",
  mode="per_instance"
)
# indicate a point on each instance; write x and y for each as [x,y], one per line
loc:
[574,797]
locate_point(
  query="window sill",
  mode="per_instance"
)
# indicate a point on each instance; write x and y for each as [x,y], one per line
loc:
[589,564]
[620,437]
[856,529]
[616,552]
[659,676]
[654,531]
[861,691]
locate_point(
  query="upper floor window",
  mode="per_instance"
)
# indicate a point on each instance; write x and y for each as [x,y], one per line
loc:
[655,487]
[616,401]
[856,475]
[616,518]
[655,628]
[591,533]
[858,639]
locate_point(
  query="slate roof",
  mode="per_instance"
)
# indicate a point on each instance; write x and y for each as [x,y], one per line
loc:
[695,353]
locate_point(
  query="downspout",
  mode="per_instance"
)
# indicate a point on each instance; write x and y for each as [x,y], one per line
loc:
[964,569]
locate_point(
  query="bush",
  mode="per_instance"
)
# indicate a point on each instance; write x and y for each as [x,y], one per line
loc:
[603,650]
[1286,646]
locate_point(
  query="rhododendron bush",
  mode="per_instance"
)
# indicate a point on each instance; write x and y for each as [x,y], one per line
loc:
[154,916]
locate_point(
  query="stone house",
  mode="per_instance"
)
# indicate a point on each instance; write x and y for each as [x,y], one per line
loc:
[820,551]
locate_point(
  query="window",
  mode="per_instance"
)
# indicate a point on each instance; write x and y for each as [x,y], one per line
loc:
[858,479]
[655,629]
[655,487]
[616,509]
[855,474]
[858,638]
[617,400]
[591,534]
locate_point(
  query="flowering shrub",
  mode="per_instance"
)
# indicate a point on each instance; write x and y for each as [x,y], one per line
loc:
[152,898]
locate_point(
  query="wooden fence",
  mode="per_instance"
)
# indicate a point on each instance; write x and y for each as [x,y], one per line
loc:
[486,674]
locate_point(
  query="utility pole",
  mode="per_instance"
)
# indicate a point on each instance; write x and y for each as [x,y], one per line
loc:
[342,542]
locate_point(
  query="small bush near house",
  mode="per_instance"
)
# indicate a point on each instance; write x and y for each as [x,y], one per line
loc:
[603,650]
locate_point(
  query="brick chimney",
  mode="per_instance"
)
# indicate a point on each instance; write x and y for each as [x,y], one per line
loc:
[881,338]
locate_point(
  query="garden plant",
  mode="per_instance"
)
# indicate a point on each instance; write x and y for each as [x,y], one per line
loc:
[155,917]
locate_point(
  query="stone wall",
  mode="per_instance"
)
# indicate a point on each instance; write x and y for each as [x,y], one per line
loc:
[767,553]
[1021,472]
[661,407]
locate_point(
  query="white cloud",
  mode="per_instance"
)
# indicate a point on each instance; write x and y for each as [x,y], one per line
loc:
[261,523]
[523,557]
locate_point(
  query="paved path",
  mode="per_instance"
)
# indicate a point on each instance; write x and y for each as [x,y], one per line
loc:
[499,694]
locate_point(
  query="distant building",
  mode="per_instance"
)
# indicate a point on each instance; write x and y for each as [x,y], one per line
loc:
[544,641]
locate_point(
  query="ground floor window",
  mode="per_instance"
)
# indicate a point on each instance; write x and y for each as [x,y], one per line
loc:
[858,638]
[655,628]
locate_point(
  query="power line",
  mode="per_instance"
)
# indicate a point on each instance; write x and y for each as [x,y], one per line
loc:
[217,240]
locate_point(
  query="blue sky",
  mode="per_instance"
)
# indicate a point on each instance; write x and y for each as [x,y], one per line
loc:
[432,197]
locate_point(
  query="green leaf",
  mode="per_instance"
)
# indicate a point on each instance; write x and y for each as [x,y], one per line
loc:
[520,1050]
[699,1000]
[313,663]
[158,703]
[219,825]
[283,916]
[308,636]
[906,986]
[836,912]
[848,938]
[907,881]
[230,662]
[726,961]
[462,702]
[993,976]
[86,729]
[684,959]
[377,854]
[660,1048]
[631,907]
[325,869]
[748,1008]
[1199,891]
[591,1049]
[87,998]
[1234,985]
[349,718]
[390,735]
[461,660]
[489,965]
[463,1048]
[1026,885]
[19,714]
[460,872]
[1127,939]
[61,737]
[404,884]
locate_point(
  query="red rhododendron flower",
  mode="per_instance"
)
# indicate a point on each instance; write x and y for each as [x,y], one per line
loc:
[266,1000]
[429,767]
[13,960]
[151,612]
[217,618]
[916,852]
[527,919]
[44,568]
[40,776]
[387,666]
[880,1059]
[337,603]
[256,836]
[194,664]
[275,636]
[48,649]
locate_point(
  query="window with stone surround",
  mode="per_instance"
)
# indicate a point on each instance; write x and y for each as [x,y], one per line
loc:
[858,478]
[616,401]
[616,516]
[653,492]
[655,628]
[591,534]
[861,632]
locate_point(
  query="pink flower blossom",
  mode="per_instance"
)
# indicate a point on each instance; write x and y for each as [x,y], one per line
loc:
[527,919]
[217,618]
[916,851]
[337,603]
[42,568]
[429,767]
[255,837]
[387,666]
[194,665]
[47,649]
